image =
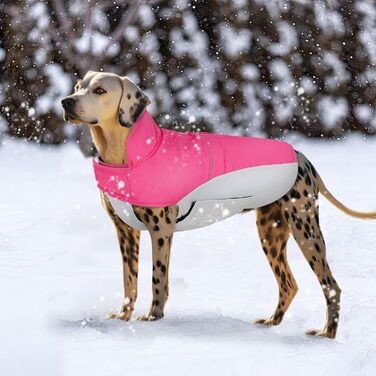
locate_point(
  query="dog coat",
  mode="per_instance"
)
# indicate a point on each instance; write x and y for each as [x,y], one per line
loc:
[209,177]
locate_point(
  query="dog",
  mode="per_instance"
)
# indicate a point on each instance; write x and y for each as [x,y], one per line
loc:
[110,105]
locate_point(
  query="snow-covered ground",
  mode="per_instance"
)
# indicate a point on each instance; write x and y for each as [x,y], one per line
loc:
[60,273]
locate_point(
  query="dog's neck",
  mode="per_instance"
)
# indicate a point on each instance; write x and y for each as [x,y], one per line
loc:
[110,142]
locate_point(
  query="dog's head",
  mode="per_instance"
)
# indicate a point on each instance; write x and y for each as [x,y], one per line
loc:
[105,99]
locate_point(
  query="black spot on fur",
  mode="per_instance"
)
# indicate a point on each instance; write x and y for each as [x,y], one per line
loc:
[277,270]
[132,242]
[155,219]
[308,180]
[158,263]
[283,277]
[136,113]
[122,248]
[277,218]
[268,236]
[295,194]
[122,122]
[163,269]
[298,223]
[160,242]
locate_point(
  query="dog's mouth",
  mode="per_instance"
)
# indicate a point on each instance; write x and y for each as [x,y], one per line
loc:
[72,117]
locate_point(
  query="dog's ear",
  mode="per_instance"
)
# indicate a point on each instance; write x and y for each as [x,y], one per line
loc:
[133,102]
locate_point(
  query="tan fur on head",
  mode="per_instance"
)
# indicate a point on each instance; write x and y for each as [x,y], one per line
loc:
[110,105]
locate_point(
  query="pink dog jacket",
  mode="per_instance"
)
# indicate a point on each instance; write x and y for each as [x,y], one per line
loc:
[173,168]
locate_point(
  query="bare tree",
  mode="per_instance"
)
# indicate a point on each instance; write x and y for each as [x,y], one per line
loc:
[67,28]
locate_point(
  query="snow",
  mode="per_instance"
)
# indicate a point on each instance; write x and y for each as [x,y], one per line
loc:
[235,42]
[60,86]
[250,72]
[308,85]
[60,273]
[329,20]
[332,110]
[364,113]
[368,26]
[288,40]
[338,75]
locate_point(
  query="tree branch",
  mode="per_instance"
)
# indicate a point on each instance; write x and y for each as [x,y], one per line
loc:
[62,17]
[116,35]
[128,17]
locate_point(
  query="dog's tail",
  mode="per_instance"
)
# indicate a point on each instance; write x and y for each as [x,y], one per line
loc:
[353,213]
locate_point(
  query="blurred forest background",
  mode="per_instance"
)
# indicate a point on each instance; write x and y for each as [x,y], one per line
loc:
[260,68]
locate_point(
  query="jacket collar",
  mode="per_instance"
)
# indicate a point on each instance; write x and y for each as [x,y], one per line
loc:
[143,139]
[141,142]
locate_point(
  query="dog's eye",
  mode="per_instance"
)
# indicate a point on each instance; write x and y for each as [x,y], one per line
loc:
[99,91]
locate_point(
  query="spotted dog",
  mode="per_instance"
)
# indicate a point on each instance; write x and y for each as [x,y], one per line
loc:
[110,105]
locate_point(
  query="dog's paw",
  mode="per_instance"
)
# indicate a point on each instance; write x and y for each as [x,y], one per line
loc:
[150,317]
[321,333]
[267,322]
[126,315]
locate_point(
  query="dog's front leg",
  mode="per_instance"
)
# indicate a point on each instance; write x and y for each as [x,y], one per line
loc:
[160,223]
[129,241]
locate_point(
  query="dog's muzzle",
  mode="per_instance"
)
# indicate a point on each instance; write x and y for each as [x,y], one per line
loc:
[68,104]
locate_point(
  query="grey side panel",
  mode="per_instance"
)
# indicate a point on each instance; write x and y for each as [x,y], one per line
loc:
[225,196]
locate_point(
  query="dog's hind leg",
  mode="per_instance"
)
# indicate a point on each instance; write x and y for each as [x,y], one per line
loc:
[129,241]
[160,223]
[301,211]
[274,233]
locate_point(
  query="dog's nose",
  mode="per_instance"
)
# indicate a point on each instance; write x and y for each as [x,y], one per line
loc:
[68,103]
